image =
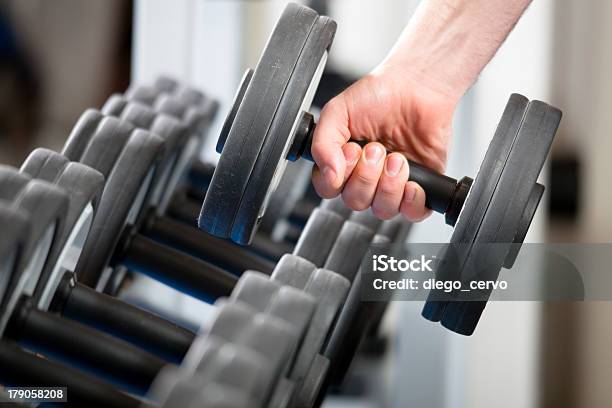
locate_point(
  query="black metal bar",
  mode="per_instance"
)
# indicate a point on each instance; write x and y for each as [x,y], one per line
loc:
[177,269]
[99,353]
[132,324]
[223,253]
[20,368]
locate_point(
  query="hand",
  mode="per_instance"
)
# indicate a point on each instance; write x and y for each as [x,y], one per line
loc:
[391,110]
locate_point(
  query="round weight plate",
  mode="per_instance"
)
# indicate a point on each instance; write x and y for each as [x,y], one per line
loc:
[84,186]
[169,129]
[337,206]
[13,241]
[328,289]
[231,115]
[165,84]
[239,323]
[482,190]
[127,189]
[353,239]
[271,97]
[367,219]
[505,210]
[319,236]
[229,364]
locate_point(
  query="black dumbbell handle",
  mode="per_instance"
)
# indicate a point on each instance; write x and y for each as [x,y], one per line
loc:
[123,363]
[20,368]
[441,191]
[139,327]
[189,274]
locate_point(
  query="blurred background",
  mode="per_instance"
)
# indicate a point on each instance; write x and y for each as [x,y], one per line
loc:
[59,57]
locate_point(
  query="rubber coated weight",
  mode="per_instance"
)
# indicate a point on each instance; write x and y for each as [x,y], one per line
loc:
[336,205]
[329,289]
[13,242]
[84,187]
[190,393]
[231,364]
[253,136]
[499,225]
[351,245]
[170,129]
[272,337]
[481,191]
[270,297]
[319,236]
[46,206]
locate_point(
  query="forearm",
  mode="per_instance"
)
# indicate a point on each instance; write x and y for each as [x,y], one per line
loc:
[448,42]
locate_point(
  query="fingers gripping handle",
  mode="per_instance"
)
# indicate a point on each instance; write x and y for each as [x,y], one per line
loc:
[443,194]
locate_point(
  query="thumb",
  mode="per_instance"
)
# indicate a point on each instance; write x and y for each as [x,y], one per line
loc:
[330,135]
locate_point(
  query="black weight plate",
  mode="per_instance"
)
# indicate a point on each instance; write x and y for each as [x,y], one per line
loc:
[231,115]
[482,190]
[318,236]
[126,192]
[254,119]
[272,158]
[84,186]
[499,224]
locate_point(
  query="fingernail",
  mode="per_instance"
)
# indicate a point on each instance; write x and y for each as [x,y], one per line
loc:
[373,153]
[393,165]
[330,175]
[351,156]
[410,194]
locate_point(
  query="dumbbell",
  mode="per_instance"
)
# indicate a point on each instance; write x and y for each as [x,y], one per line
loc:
[41,327]
[259,139]
[185,208]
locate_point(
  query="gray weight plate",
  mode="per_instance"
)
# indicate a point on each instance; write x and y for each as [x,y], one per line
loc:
[396,229]
[499,224]
[271,297]
[319,236]
[229,364]
[480,192]
[347,253]
[170,129]
[126,193]
[330,291]
[166,84]
[13,242]
[254,155]
[307,395]
[337,206]
[171,389]
[272,337]
[47,206]
[367,219]
[84,186]
[291,189]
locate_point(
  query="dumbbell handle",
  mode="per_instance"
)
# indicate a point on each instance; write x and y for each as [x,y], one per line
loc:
[443,194]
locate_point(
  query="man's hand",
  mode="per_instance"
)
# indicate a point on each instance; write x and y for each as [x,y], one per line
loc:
[393,113]
[406,106]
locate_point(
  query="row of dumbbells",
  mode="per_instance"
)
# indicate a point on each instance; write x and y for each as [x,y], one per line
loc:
[123,196]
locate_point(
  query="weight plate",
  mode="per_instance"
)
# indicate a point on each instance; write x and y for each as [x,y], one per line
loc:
[229,364]
[270,297]
[13,242]
[84,186]
[126,193]
[337,206]
[239,323]
[261,130]
[231,115]
[481,191]
[367,219]
[351,245]
[166,84]
[170,129]
[329,290]
[499,224]
[319,236]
